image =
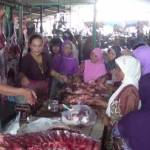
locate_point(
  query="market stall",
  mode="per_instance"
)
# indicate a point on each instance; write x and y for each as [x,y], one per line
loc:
[80,121]
[44,119]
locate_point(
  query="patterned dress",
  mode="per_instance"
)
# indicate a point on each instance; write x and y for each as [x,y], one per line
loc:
[119,142]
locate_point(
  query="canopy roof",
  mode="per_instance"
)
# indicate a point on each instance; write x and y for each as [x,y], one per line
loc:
[50,7]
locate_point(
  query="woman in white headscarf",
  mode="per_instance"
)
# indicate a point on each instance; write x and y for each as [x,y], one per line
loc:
[126,98]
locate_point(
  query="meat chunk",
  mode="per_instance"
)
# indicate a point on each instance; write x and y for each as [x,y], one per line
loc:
[53,139]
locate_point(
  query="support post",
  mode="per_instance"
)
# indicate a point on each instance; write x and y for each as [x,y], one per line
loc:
[41,19]
[20,40]
[7,20]
[20,22]
[94,25]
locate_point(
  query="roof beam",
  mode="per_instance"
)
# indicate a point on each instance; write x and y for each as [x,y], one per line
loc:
[14,3]
[62,2]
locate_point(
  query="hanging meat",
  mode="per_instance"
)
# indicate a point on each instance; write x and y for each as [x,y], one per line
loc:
[2,37]
[2,45]
[12,53]
[52,139]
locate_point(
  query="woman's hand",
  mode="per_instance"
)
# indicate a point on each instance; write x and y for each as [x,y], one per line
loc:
[101,84]
[107,121]
[92,82]
[101,103]
[25,81]
[96,102]
[29,95]
[63,78]
[59,76]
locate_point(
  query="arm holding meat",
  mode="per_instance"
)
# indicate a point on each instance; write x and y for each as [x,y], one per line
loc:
[101,82]
[12,91]
[58,76]
[126,102]
[98,101]
[129,100]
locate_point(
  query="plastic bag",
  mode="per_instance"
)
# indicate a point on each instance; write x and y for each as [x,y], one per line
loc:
[79,115]
[40,124]
[13,126]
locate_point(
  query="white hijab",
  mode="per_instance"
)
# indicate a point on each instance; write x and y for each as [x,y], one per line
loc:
[132,72]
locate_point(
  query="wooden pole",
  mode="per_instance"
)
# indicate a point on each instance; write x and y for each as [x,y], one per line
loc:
[94,25]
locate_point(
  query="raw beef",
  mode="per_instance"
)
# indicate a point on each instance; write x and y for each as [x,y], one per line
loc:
[52,139]
[80,92]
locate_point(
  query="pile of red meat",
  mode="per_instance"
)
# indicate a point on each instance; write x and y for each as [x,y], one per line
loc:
[83,93]
[52,139]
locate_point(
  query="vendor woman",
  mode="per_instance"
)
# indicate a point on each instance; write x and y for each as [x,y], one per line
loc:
[35,67]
